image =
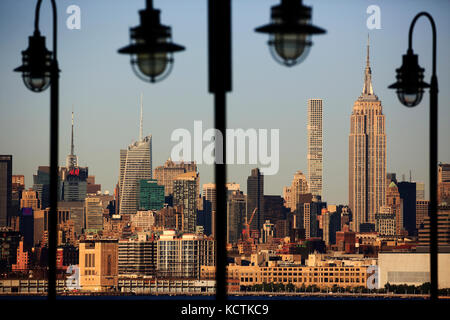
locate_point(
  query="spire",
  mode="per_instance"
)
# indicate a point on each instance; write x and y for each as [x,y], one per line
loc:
[72,147]
[367,89]
[141,123]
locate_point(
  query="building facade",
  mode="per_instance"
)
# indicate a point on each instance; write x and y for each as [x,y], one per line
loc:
[169,171]
[98,265]
[367,154]
[185,195]
[151,195]
[5,189]
[315,142]
[135,165]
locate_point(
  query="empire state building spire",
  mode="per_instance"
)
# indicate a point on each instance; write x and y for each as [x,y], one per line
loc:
[367,89]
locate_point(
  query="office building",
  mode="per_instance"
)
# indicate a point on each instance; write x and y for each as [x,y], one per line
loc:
[394,201]
[236,213]
[169,171]
[143,220]
[367,154]
[422,211]
[443,232]
[135,165]
[74,178]
[94,214]
[18,186]
[185,195]
[5,189]
[315,146]
[41,184]
[9,242]
[151,195]
[420,191]
[408,195]
[255,198]
[98,265]
[385,222]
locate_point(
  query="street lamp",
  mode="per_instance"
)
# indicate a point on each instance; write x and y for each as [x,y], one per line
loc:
[39,71]
[410,88]
[290,32]
[151,48]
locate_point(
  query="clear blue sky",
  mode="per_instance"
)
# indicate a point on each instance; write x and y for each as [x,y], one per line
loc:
[105,92]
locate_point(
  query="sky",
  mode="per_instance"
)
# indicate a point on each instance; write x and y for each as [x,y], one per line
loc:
[99,86]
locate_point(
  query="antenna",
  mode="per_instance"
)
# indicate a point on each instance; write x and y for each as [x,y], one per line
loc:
[141,123]
[71,142]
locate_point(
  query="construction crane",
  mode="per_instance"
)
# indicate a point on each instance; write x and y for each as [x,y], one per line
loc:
[246,230]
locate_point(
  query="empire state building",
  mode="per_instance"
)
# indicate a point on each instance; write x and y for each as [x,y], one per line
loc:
[367,154]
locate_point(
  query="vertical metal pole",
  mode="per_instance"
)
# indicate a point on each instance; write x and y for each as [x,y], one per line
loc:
[219,55]
[433,188]
[54,119]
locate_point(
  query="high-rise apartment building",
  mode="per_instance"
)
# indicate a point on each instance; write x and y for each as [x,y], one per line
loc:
[185,195]
[169,171]
[367,154]
[315,142]
[5,189]
[255,198]
[183,257]
[422,211]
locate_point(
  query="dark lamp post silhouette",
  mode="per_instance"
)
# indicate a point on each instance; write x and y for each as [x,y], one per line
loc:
[410,88]
[39,71]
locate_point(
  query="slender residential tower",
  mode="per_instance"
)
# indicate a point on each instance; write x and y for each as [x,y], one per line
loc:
[367,154]
[135,165]
[315,146]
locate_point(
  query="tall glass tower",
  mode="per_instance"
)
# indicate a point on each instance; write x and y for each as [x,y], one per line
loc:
[135,165]
[367,154]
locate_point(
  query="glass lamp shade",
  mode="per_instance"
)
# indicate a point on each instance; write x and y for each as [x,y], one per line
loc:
[410,85]
[290,32]
[289,49]
[151,48]
[36,64]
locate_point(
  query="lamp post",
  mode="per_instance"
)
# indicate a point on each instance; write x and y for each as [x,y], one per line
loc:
[410,87]
[151,48]
[290,32]
[39,71]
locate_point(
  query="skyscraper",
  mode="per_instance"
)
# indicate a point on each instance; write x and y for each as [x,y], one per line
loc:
[315,146]
[74,178]
[5,188]
[135,165]
[255,198]
[166,173]
[367,154]
[185,194]
[298,187]
[236,210]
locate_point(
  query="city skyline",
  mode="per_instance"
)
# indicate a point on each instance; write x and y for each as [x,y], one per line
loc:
[96,109]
